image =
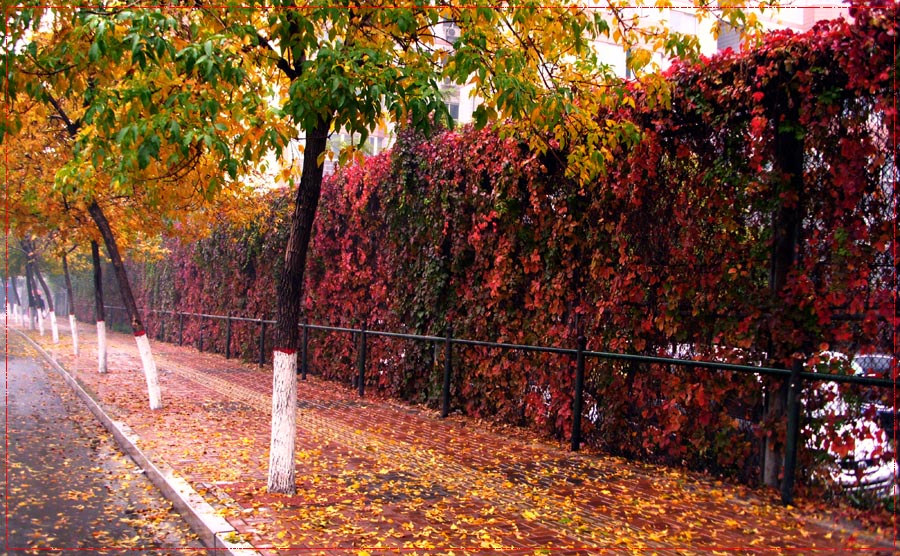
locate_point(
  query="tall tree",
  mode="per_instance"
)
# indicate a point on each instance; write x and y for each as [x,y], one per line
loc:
[33,250]
[99,307]
[70,296]
[13,302]
[34,311]
[140,335]
[13,272]
[48,296]
[339,67]
[119,86]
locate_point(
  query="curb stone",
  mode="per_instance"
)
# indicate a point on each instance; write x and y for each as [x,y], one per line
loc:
[213,529]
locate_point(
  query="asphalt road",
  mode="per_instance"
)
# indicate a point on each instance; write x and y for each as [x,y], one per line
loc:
[68,489]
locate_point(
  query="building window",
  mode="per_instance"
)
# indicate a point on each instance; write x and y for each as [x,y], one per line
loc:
[729,37]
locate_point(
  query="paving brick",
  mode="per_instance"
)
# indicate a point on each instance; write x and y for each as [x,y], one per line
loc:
[373,473]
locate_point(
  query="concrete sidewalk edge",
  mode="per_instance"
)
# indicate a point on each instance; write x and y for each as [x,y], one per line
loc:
[212,528]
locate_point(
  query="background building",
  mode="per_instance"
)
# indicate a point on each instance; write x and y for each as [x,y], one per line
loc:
[796,15]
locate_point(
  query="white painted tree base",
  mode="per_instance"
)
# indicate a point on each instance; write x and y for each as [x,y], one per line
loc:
[150,372]
[73,326]
[54,328]
[282,475]
[101,346]
[40,319]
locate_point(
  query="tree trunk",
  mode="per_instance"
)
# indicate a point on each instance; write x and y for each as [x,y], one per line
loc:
[16,301]
[23,307]
[73,324]
[140,335]
[776,407]
[31,265]
[99,308]
[290,302]
[51,308]
[39,302]
[787,225]
[9,302]
[33,312]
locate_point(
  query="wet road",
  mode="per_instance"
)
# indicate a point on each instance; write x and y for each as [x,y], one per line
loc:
[68,489]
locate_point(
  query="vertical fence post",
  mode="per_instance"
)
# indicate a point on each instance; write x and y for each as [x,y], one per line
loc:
[433,351]
[361,363]
[162,326]
[579,394]
[792,442]
[228,338]
[262,342]
[448,368]
[200,334]
[180,329]
[303,348]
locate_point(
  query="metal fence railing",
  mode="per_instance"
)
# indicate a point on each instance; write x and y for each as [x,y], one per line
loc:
[796,376]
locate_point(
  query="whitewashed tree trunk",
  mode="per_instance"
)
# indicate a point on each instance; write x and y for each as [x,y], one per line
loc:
[40,319]
[54,327]
[284,423]
[70,304]
[101,346]
[150,372]
[73,325]
[140,335]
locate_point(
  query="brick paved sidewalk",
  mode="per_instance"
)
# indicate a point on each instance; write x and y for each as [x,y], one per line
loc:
[377,477]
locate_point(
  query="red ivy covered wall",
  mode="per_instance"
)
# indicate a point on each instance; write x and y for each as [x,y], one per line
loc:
[750,219]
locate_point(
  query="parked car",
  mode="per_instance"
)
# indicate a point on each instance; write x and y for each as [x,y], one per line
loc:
[879,365]
[856,429]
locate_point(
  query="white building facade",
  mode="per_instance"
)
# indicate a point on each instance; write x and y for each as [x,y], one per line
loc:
[681,17]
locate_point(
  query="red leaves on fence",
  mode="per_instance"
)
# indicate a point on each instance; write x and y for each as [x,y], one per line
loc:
[669,253]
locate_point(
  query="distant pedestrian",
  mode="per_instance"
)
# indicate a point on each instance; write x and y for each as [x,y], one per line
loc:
[40,303]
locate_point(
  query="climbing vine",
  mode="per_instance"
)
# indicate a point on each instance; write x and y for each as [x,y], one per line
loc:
[747,217]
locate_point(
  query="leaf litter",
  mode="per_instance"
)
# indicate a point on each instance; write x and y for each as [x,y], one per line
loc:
[380,480]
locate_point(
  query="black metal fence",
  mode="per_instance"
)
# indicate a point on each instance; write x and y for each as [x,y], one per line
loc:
[796,377]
